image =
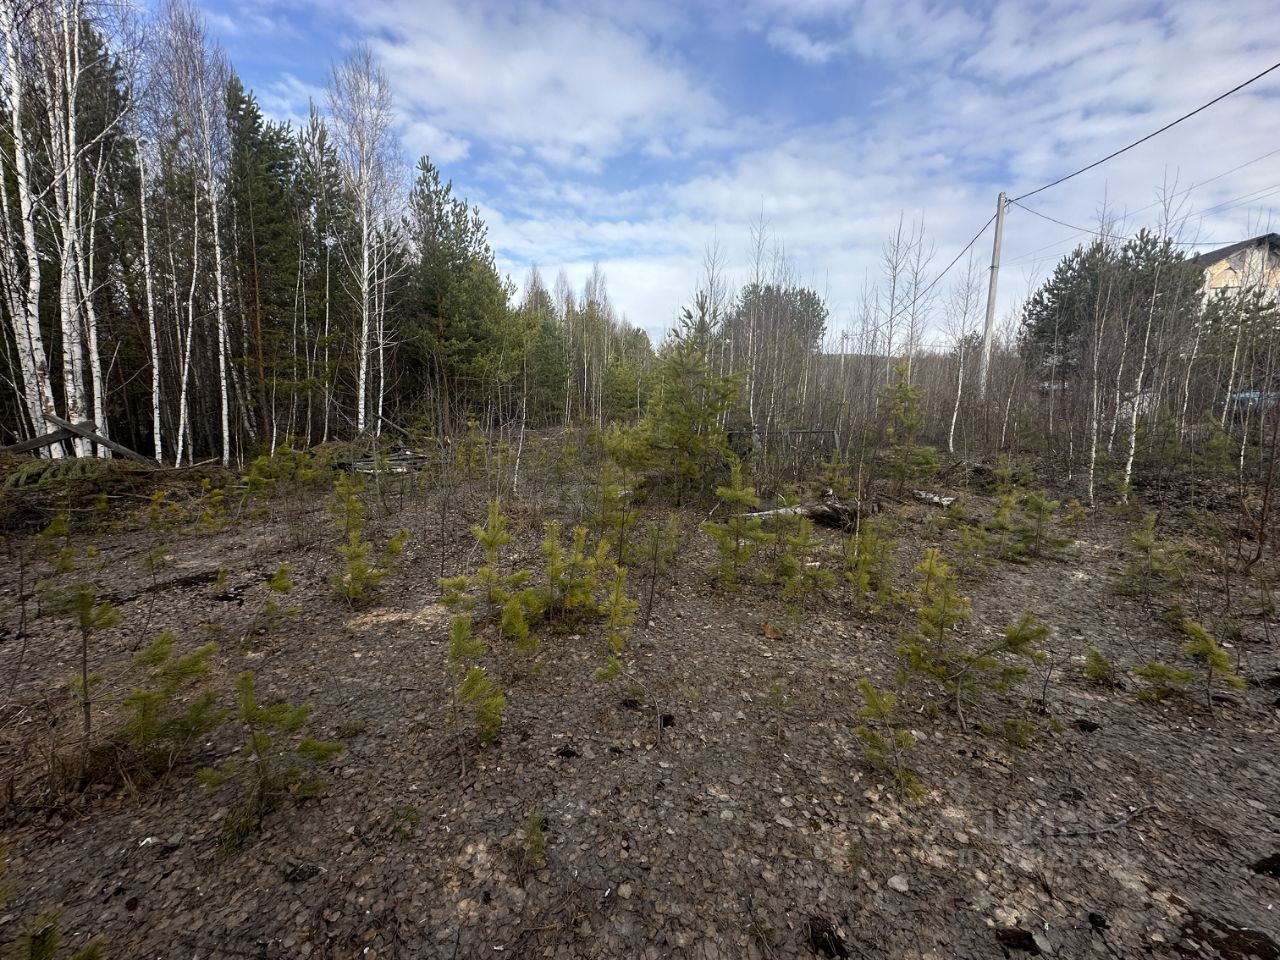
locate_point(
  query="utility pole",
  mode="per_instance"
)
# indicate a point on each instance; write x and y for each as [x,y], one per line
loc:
[985,362]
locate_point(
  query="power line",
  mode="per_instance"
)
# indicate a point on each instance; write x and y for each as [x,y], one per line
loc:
[1156,133]
[966,249]
[1113,236]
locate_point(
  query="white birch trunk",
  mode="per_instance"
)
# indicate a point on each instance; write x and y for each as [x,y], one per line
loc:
[152,339]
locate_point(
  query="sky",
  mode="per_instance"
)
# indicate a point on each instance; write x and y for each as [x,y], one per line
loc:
[638,135]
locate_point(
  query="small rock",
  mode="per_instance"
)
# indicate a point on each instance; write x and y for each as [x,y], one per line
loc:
[899,882]
[624,891]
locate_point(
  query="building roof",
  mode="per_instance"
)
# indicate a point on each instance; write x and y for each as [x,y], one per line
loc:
[1214,256]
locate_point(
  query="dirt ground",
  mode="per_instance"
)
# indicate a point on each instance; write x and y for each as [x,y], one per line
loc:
[686,820]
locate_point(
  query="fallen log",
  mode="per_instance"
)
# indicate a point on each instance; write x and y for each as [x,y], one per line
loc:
[925,497]
[829,511]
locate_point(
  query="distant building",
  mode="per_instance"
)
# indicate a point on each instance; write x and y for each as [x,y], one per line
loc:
[1249,263]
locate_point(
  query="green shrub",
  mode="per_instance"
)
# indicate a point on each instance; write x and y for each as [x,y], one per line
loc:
[1216,661]
[869,565]
[1098,669]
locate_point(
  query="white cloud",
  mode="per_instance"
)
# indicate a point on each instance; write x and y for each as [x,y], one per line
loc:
[591,133]
[573,86]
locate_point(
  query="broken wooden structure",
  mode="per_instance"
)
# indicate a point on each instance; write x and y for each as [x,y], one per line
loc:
[66,430]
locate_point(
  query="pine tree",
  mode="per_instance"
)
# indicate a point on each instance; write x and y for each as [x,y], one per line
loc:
[799,573]
[1156,561]
[660,544]
[473,689]
[739,534]
[1098,669]
[684,429]
[503,597]
[935,652]
[869,564]
[171,709]
[270,766]
[1202,645]
[572,577]
[908,463]
[885,744]
[1163,681]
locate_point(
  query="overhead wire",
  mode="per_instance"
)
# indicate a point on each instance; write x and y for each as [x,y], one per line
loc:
[1155,133]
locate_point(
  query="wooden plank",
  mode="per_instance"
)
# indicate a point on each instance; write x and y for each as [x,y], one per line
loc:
[35,443]
[80,431]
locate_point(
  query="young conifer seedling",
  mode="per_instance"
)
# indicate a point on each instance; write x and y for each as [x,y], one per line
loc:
[1163,681]
[778,703]
[79,603]
[572,577]
[660,546]
[1098,669]
[1155,562]
[619,619]
[275,762]
[886,745]
[740,533]
[170,710]
[800,574]
[473,689]
[1202,645]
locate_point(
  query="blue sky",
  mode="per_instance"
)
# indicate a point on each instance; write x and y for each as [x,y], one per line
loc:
[636,134]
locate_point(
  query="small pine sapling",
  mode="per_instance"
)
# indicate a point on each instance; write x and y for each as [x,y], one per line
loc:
[1076,513]
[660,546]
[620,617]
[41,937]
[885,744]
[869,565]
[1163,682]
[1007,529]
[740,533]
[532,855]
[572,577]
[976,547]
[270,765]
[1098,669]
[907,463]
[1202,645]
[79,603]
[1155,562]
[1038,511]
[360,582]
[273,612]
[55,544]
[931,650]
[799,573]
[154,561]
[778,703]
[497,594]
[171,709]
[473,689]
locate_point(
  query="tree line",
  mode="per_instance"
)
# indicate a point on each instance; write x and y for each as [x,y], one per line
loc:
[200,281]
